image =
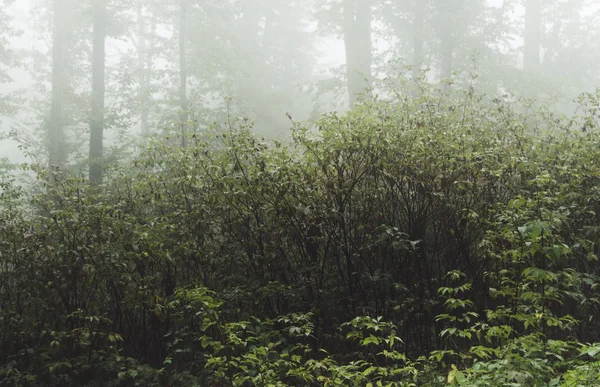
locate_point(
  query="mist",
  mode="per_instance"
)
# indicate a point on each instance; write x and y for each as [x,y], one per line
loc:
[299,192]
[191,64]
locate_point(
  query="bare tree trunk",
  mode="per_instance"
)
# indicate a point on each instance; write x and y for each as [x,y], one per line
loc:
[447,31]
[363,38]
[56,135]
[98,89]
[418,38]
[143,68]
[357,16]
[183,99]
[533,35]
[253,47]
[447,52]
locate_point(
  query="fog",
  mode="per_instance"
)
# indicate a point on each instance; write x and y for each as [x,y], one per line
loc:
[85,80]
[299,193]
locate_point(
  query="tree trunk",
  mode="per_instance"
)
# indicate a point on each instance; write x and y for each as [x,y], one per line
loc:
[183,99]
[357,16]
[56,135]
[418,41]
[98,88]
[533,35]
[252,46]
[143,68]
[447,30]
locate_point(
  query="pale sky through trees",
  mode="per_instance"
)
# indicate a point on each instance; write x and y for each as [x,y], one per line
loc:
[263,59]
[299,192]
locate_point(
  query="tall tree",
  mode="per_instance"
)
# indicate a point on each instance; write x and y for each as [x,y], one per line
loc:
[55,124]
[98,90]
[408,24]
[357,18]
[133,80]
[444,34]
[249,59]
[569,54]
[420,11]
[7,58]
[533,35]
[144,67]
[447,36]
[5,32]
[183,68]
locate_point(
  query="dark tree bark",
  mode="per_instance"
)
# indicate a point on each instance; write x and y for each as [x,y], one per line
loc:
[56,135]
[183,75]
[533,35]
[357,16]
[98,89]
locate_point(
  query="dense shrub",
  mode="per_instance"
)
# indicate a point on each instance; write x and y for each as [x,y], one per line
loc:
[448,239]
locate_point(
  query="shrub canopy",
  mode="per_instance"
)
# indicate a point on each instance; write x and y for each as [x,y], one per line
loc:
[446,239]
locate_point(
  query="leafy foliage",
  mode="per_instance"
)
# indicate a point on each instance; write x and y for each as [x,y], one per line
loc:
[445,239]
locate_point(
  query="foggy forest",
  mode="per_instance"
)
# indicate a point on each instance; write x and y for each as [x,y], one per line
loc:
[300,193]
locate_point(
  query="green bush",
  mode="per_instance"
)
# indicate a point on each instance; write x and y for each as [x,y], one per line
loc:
[448,239]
